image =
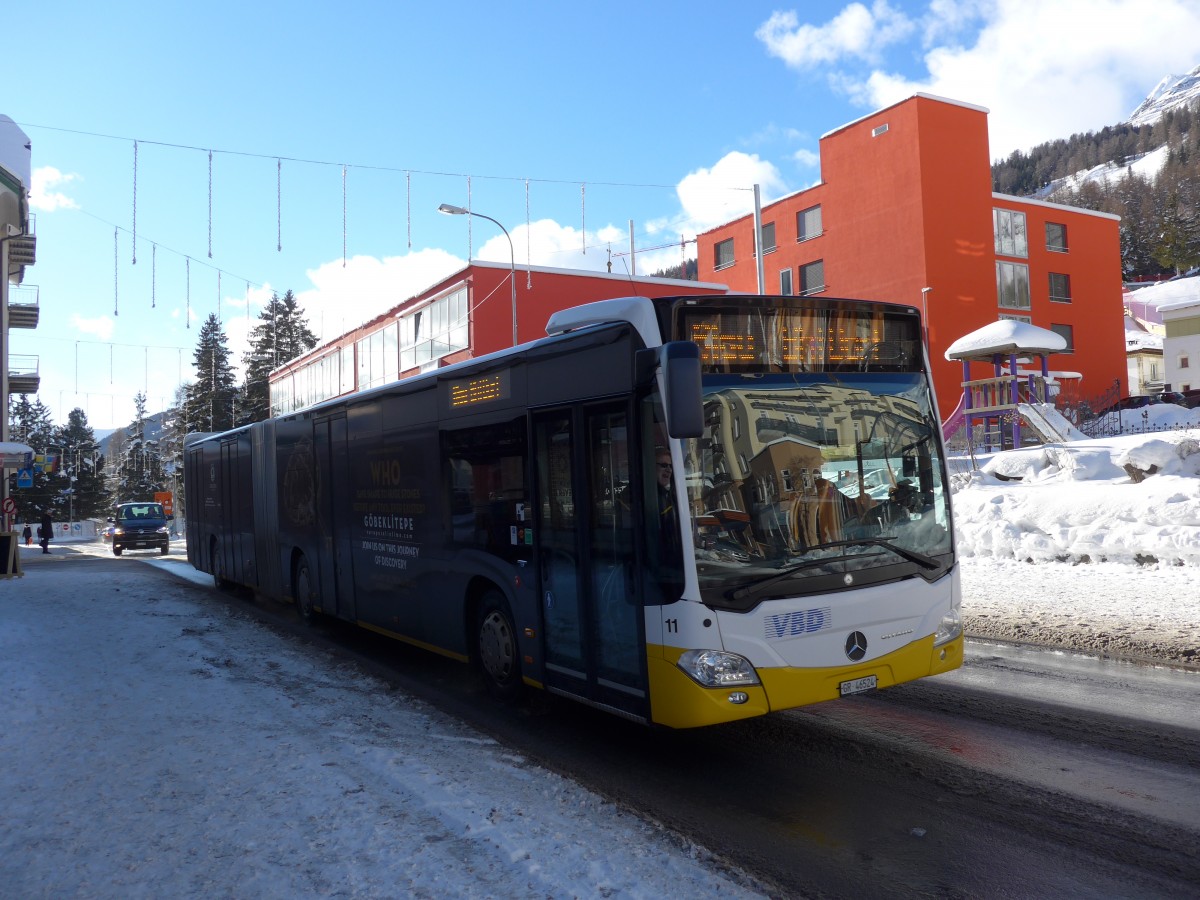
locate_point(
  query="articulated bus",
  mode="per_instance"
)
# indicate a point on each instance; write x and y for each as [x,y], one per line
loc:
[682,510]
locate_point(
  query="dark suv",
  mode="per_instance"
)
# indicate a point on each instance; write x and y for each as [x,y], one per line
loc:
[141,526]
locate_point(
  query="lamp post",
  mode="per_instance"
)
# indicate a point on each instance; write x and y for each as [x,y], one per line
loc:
[512,259]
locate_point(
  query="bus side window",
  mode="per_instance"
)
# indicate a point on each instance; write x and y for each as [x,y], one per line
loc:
[488,496]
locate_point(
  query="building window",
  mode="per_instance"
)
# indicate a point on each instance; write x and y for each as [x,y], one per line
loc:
[1056,237]
[723,253]
[377,358]
[1009,227]
[812,278]
[879,129]
[434,331]
[808,224]
[767,238]
[785,281]
[1183,361]
[1012,285]
[1068,334]
[1060,288]
[1007,318]
[786,475]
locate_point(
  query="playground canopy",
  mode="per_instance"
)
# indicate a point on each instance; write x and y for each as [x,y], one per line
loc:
[1006,337]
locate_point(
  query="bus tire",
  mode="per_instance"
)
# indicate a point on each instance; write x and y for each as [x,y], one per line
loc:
[496,653]
[218,566]
[304,591]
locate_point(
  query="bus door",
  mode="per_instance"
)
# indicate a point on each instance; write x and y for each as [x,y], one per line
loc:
[592,621]
[333,478]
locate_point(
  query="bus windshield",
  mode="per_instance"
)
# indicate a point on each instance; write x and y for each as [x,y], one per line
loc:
[814,473]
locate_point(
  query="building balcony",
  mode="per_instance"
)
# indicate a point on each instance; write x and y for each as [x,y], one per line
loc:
[23,306]
[23,376]
[22,250]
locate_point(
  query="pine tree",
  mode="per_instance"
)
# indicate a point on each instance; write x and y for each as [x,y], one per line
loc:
[212,399]
[31,423]
[80,476]
[282,334]
[139,473]
[171,443]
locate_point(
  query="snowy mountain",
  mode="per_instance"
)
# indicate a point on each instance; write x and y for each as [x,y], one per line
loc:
[1172,92]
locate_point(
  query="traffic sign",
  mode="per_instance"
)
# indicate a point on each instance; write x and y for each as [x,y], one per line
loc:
[10,506]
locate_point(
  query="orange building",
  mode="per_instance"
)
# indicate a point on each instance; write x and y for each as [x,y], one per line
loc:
[468,314]
[905,212]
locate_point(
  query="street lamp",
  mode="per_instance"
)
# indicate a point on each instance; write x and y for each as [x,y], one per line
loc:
[459,211]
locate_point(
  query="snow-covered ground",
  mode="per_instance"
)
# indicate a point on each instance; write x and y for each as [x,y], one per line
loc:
[158,745]
[1062,545]
[155,744]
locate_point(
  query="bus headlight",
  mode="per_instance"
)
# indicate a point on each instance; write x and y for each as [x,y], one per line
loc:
[716,668]
[948,629]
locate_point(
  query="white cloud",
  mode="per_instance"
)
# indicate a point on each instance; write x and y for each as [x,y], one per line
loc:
[45,194]
[545,242]
[344,296]
[808,158]
[710,197]
[1043,70]
[101,326]
[856,32]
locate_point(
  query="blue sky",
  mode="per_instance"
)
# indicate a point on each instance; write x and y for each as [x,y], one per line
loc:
[335,131]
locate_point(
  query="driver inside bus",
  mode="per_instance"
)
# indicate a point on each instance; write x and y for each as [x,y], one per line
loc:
[670,554]
[821,511]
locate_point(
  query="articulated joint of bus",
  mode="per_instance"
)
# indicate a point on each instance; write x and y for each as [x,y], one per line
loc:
[720,669]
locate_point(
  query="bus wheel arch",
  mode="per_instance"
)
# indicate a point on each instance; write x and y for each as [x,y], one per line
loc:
[495,650]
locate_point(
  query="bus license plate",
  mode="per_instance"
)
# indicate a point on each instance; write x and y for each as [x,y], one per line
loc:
[858,685]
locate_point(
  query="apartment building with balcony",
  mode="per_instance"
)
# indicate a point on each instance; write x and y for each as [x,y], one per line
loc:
[18,251]
[904,211]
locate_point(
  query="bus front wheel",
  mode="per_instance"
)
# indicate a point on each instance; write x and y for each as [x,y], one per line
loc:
[496,648]
[306,603]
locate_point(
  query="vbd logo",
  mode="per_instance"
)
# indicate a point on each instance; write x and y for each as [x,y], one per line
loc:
[802,621]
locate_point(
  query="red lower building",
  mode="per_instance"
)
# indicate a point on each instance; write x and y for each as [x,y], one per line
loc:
[471,313]
[905,212]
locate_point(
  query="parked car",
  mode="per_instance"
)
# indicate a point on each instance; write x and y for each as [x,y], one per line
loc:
[141,526]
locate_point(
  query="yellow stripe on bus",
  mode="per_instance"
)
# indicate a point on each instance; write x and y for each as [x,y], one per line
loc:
[441,651]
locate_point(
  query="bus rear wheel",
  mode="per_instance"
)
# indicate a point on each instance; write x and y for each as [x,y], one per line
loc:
[218,566]
[306,603]
[496,649]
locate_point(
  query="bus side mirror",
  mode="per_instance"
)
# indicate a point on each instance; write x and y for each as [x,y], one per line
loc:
[680,361]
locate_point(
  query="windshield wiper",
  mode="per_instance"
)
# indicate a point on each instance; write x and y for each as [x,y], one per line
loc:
[757,586]
[921,559]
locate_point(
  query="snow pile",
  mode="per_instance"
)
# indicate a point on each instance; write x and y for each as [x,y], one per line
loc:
[1128,499]
[1088,545]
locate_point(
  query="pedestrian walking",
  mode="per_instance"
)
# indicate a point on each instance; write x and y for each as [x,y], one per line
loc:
[45,531]
[28,535]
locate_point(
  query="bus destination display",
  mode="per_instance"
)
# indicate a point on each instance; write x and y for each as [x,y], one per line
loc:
[795,340]
[481,389]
